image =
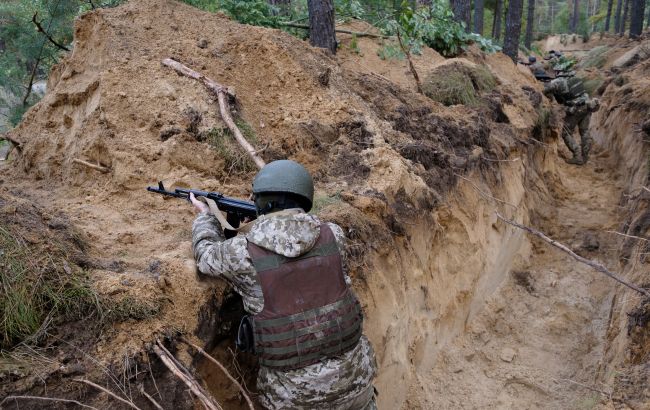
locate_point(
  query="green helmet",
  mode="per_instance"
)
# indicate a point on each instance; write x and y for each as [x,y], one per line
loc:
[285,176]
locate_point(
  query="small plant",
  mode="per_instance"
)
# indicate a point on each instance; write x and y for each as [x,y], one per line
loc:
[542,125]
[323,201]
[390,51]
[354,45]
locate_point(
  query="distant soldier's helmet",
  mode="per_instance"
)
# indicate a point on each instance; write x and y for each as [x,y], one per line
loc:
[285,177]
[532,59]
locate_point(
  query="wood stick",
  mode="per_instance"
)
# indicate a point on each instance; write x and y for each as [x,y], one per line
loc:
[46,399]
[110,393]
[597,266]
[208,403]
[13,141]
[46,34]
[99,168]
[485,194]
[223,369]
[354,33]
[151,399]
[407,53]
[222,93]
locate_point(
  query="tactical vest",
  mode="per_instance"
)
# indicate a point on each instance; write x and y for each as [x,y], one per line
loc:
[309,312]
[573,88]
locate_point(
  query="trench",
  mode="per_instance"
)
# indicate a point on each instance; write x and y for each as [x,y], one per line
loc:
[467,312]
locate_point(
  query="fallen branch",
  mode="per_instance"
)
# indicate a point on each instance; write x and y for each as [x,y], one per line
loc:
[597,266]
[15,143]
[110,393]
[46,399]
[485,194]
[99,168]
[407,53]
[207,402]
[46,34]
[608,394]
[354,33]
[224,370]
[151,399]
[629,236]
[222,94]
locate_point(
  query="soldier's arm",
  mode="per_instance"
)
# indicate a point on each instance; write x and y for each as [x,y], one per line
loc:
[214,255]
[341,242]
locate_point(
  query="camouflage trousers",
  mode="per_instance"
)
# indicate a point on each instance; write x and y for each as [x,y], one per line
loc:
[577,117]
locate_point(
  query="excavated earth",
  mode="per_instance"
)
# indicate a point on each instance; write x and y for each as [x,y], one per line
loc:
[463,310]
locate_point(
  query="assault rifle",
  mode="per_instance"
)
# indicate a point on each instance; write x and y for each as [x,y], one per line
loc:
[236,210]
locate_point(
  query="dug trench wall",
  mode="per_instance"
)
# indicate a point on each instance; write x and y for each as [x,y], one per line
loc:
[618,128]
[415,184]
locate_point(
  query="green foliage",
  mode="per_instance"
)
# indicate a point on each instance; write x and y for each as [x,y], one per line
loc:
[591,86]
[253,12]
[434,27]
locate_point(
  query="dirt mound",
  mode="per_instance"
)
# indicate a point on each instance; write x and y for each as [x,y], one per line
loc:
[383,158]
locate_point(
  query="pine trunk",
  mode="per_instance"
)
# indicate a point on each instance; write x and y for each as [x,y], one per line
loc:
[496,26]
[637,14]
[530,21]
[610,3]
[513,29]
[575,16]
[462,12]
[617,16]
[321,24]
[626,9]
[478,16]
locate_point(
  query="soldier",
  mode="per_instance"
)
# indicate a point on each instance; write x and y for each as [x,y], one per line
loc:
[537,69]
[304,320]
[570,92]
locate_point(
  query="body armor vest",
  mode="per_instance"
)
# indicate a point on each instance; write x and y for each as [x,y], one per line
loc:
[309,312]
[571,90]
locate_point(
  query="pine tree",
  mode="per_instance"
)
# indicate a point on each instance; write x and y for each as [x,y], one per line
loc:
[637,13]
[623,23]
[479,6]
[530,21]
[321,24]
[610,3]
[513,28]
[617,16]
[496,25]
[575,16]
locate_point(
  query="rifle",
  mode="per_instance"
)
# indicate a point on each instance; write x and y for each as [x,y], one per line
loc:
[236,209]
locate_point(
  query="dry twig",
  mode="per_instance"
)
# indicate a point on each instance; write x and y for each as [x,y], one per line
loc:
[151,399]
[208,402]
[222,94]
[102,169]
[46,399]
[354,33]
[46,34]
[14,142]
[485,194]
[608,394]
[223,369]
[110,393]
[597,266]
[407,53]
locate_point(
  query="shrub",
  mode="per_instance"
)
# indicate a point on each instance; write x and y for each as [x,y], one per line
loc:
[595,57]
[235,159]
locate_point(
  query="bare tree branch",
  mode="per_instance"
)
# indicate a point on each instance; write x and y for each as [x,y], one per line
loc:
[46,34]
[15,142]
[222,94]
[597,266]
[102,169]
[223,369]
[151,399]
[485,194]
[407,53]
[110,393]
[8,398]
[354,33]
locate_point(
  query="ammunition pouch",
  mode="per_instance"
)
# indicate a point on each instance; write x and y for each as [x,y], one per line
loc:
[245,335]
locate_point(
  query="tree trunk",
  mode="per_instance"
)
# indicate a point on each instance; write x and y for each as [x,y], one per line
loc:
[626,12]
[637,14]
[530,21]
[575,16]
[478,16]
[617,16]
[496,26]
[513,29]
[462,12]
[610,3]
[321,24]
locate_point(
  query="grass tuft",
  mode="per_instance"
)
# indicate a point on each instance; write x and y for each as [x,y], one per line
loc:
[458,84]
[235,159]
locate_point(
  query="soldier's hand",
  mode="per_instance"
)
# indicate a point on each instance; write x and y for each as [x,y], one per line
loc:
[201,207]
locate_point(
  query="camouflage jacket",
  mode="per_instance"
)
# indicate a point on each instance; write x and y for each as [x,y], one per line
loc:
[336,383]
[569,91]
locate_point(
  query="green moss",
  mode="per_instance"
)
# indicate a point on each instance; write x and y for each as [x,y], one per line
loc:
[323,201]
[592,85]
[595,57]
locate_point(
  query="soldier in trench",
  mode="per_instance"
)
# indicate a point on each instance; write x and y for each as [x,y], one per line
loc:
[570,92]
[304,320]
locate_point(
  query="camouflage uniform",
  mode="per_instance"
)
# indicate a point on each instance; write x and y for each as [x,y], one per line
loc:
[343,382]
[578,108]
